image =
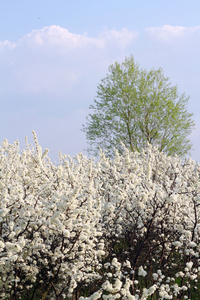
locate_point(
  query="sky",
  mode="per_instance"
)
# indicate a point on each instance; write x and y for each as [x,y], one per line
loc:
[54,53]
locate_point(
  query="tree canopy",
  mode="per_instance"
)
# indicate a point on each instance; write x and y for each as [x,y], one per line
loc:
[135,106]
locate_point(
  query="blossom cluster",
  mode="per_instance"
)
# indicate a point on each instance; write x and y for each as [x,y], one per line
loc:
[123,228]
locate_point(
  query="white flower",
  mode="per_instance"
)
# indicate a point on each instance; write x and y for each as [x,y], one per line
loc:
[192,244]
[2,185]
[3,212]
[177,244]
[2,245]
[141,271]
[181,274]
[189,265]
[155,276]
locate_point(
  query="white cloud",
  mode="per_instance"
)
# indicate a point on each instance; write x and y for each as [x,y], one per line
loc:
[7,45]
[123,37]
[52,60]
[170,33]
[61,37]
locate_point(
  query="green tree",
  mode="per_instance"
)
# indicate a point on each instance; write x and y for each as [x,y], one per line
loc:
[136,106]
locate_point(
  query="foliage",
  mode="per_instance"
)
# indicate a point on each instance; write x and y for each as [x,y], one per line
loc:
[137,107]
[127,228]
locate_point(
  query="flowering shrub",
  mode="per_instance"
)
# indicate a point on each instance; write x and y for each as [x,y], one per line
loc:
[127,228]
[48,222]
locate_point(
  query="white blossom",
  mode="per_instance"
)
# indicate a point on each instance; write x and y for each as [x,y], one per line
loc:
[141,271]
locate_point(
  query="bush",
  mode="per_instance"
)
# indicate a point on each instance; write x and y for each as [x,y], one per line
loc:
[126,228]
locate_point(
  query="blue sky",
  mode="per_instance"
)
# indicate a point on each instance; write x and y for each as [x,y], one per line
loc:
[53,53]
